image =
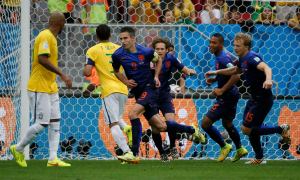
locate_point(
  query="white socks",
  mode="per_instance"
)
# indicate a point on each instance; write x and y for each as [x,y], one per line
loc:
[119,138]
[32,132]
[53,136]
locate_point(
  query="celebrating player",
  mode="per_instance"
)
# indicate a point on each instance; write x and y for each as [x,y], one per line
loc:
[135,59]
[165,103]
[225,106]
[258,76]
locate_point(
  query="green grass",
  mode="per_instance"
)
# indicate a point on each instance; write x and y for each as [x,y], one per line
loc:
[186,169]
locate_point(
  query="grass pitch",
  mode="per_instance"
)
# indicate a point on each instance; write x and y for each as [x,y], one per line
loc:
[180,169]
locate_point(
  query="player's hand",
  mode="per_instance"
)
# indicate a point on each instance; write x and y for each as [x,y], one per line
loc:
[67,81]
[131,83]
[209,81]
[192,72]
[157,82]
[218,92]
[210,73]
[268,84]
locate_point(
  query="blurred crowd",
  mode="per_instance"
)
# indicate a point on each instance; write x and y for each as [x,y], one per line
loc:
[159,11]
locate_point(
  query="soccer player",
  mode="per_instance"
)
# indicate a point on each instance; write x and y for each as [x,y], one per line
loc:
[135,59]
[43,93]
[225,106]
[177,81]
[258,76]
[165,103]
[114,93]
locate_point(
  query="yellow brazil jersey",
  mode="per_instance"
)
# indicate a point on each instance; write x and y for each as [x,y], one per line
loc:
[101,55]
[41,79]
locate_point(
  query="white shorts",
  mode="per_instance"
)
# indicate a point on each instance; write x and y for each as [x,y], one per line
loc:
[113,107]
[44,106]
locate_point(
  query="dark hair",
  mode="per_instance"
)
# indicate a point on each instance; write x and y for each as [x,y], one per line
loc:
[162,18]
[160,40]
[171,45]
[219,36]
[103,32]
[130,30]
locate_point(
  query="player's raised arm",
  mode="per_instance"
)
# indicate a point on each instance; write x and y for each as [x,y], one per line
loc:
[226,72]
[158,64]
[268,72]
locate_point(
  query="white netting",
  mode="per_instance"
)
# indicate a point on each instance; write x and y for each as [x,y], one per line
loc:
[9,75]
[273,27]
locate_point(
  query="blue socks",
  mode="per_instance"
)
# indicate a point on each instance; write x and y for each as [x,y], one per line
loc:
[256,145]
[136,135]
[235,136]
[172,138]
[158,142]
[266,130]
[179,128]
[215,135]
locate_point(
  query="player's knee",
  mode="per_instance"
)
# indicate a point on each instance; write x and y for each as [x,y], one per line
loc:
[162,127]
[206,122]
[155,130]
[227,124]
[246,130]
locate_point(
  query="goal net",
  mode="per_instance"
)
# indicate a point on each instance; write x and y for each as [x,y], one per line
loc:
[10,76]
[188,26]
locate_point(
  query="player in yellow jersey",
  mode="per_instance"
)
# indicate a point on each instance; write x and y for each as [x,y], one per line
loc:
[43,92]
[113,92]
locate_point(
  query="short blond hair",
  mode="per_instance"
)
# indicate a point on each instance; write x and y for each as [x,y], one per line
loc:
[245,37]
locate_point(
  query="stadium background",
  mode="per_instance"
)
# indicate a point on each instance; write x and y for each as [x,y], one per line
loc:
[279,46]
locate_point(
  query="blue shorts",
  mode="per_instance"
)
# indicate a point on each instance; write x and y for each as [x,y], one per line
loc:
[165,103]
[256,111]
[148,98]
[223,109]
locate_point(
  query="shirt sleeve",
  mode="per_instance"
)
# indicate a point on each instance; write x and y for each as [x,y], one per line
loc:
[90,57]
[44,48]
[115,62]
[254,61]
[176,63]
[226,62]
